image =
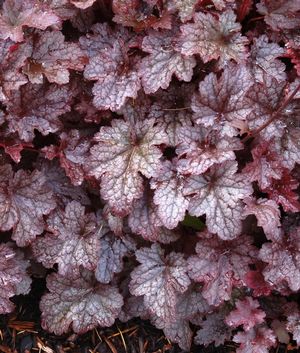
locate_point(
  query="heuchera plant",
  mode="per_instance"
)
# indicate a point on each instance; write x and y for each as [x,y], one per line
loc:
[149,160]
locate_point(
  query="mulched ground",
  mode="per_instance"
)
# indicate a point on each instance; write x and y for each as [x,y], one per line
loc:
[20,332]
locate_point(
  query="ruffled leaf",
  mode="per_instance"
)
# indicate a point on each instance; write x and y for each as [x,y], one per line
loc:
[266,165]
[171,110]
[112,250]
[246,313]
[280,14]
[264,59]
[72,153]
[53,57]
[74,242]
[160,279]
[258,340]
[268,215]
[12,59]
[17,13]
[140,15]
[24,199]
[283,192]
[214,38]
[283,269]
[169,194]
[185,8]
[122,152]
[164,61]
[201,148]
[60,184]
[220,103]
[220,266]
[213,330]
[218,194]
[13,277]
[114,70]
[81,303]
[38,107]
[143,219]
[274,113]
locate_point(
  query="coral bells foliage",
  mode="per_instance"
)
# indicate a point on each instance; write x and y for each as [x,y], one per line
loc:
[149,162]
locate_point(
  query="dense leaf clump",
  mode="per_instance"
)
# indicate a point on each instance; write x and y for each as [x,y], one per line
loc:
[150,162]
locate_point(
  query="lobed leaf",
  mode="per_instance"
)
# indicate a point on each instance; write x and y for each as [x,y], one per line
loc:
[220,266]
[122,152]
[169,194]
[218,194]
[282,258]
[53,57]
[81,303]
[220,103]
[268,216]
[213,330]
[164,61]
[112,250]
[160,279]
[74,242]
[246,313]
[25,198]
[214,38]
[258,340]
[13,276]
[17,13]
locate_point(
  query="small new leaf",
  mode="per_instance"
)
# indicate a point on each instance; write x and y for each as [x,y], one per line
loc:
[246,313]
[258,340]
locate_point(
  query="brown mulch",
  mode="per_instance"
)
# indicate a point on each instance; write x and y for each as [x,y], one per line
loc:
[20,332]
[135,336]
